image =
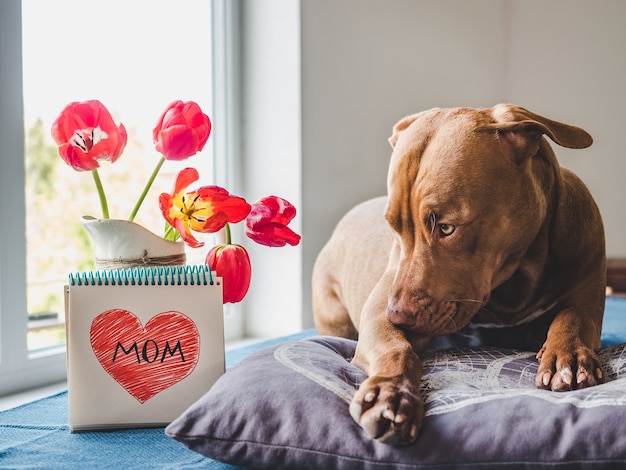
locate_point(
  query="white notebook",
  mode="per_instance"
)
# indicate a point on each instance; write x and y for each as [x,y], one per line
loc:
[142,344]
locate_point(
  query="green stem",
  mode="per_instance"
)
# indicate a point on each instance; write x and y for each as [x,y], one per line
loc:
[227,234]
[146,189]
[170,233]
[168,230]
[101,195]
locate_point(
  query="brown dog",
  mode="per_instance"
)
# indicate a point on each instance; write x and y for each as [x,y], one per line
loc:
[484,233]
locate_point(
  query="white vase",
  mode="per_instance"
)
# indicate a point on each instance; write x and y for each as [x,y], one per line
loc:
[121,244]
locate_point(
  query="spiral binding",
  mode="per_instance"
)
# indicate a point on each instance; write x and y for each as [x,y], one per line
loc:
[145,276]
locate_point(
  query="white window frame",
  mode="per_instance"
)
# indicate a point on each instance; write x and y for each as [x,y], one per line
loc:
[19,368]
[226,112]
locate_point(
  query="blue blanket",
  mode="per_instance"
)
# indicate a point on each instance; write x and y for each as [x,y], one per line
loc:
[37,435]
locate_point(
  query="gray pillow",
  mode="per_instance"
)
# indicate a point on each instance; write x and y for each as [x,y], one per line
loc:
[287,407]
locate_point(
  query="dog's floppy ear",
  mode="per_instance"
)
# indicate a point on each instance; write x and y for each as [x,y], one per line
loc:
[403,123]
[515,119]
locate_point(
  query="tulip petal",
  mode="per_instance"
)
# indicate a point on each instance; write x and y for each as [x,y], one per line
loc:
[185,234]
[177,143]
[233,208]
[185,177]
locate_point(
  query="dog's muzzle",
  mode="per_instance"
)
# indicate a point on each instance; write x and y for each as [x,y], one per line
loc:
[424,315]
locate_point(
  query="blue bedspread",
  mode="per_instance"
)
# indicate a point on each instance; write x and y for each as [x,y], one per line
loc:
[36,435]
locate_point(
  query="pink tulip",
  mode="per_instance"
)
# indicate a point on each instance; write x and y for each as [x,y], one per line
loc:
[182,130]
[86,133]
[267,222]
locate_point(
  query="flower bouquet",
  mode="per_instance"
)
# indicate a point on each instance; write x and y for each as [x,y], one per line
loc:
[86,134]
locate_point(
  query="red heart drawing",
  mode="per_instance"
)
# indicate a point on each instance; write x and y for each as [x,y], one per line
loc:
[145,361]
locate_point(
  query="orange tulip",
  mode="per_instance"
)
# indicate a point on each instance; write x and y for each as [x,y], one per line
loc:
[232,264]
[205,210]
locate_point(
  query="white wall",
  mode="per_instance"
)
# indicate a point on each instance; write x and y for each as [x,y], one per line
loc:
[567,60]
[363,64]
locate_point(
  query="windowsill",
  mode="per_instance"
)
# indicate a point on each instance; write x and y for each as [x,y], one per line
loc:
[243,342]
[21,398]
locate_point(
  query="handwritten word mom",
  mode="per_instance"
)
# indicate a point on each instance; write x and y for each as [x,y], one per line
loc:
[150,351]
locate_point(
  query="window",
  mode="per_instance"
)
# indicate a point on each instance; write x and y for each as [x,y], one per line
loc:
[73,51]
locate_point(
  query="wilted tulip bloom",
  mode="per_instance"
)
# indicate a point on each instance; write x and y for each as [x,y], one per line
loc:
[267,222]
[86,133]
[232,264]
[182,130]
[205,210]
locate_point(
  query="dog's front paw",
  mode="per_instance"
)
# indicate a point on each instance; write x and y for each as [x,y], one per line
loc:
[563,370]
[388,409]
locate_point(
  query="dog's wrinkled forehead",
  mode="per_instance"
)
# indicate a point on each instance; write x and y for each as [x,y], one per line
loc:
[502,118]
[461,132]
[444,140]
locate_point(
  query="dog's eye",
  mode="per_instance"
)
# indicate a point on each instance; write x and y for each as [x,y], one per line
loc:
[446,229]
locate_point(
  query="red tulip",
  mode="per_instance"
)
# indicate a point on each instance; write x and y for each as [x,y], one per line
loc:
[205,210]
[232,264]
[182,130]
[267,222]
[86,133]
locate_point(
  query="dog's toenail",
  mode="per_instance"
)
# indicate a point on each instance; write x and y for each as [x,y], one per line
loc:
[546,378]
[566,375]
[388,414]
[369,397]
